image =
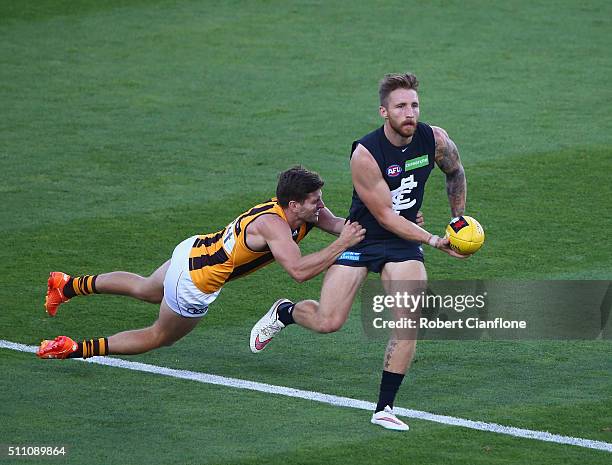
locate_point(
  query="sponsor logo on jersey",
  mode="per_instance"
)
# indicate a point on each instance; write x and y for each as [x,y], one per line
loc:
[353,256]
[394,171]
[458,223]
[415,163]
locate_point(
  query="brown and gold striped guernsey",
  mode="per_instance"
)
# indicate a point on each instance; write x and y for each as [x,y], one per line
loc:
[222,256]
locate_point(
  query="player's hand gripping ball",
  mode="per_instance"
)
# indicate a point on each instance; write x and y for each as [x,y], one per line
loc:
[465,234]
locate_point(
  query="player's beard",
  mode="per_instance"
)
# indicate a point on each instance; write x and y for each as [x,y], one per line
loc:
[403,129]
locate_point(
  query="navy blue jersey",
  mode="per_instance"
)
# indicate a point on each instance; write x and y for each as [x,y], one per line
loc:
[405,169]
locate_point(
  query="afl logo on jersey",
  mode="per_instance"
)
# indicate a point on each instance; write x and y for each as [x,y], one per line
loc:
[394,171]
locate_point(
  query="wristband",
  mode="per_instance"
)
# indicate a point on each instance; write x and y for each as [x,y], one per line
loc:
[433,241]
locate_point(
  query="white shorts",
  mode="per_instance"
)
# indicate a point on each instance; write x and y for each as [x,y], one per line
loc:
[180,293]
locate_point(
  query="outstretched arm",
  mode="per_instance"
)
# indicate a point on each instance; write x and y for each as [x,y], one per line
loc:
[277,234]
[447,158]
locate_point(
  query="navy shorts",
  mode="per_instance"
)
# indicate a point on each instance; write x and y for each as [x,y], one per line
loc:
[373,254]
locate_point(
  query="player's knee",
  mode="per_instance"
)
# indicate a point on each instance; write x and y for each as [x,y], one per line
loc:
[158,337]
[165,339]
[168,342]
[330,325]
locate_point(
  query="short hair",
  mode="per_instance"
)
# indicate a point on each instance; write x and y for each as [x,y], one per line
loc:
[392,82]
[296,184]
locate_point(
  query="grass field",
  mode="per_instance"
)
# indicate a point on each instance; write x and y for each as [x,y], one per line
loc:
[128,126]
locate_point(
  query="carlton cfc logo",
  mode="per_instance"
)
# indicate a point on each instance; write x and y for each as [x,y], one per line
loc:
[394,170]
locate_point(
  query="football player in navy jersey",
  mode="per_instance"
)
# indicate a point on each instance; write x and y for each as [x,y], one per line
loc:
[389,168]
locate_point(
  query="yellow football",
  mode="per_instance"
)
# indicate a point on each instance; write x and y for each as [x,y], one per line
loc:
[465,234]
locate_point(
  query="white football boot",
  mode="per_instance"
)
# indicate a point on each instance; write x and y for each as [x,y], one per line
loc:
[387,419]
[266,328]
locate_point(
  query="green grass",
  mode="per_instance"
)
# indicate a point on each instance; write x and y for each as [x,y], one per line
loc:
[128,126]
[216,425]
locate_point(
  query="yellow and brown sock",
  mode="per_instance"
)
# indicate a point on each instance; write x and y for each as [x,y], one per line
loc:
[81,285]
[91,348]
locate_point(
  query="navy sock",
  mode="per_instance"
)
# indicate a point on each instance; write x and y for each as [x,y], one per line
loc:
[284,312]
[389,385]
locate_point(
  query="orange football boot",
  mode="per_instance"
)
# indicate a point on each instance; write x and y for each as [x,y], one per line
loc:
[60,347]
[55,291]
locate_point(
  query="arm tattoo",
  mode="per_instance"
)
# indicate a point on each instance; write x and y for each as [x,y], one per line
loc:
[455,189]
[447,158]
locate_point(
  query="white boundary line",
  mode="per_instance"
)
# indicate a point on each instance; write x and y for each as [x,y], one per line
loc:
[330,399]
